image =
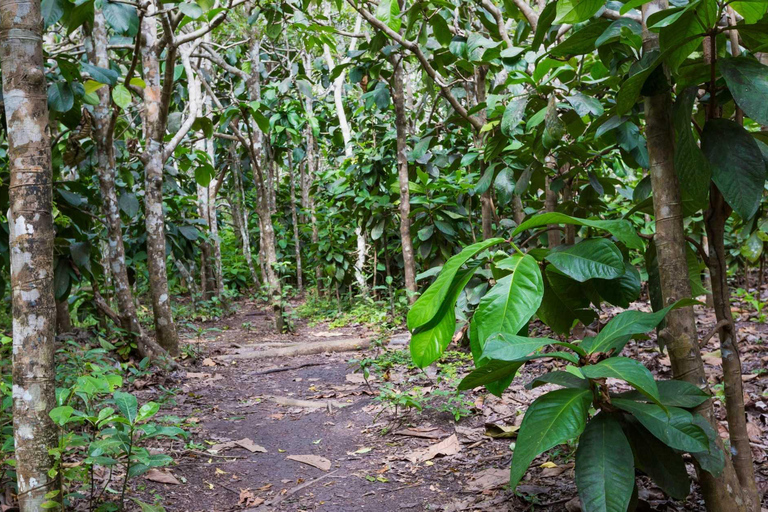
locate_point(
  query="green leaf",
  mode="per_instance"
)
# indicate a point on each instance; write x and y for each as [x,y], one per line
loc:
[560,378]
[623,326]
[682,38]
[129,204]
[121,96]
[52,11]
[585,105]
[674,393]
[511,348]
[388,11]
[738,168]
[121,17]
[752,10]
[440,29]
[430,302]
[60,415]
[147,410]
[127,405]
[582,41]
[674,427]
[101,75]
[576,11]
[714,459]
[621,229]
[513,114]
[605,466]
[546,18]
[551,419]
[628,370]
[564,302]
[493,371]
[747,80]
[428,341]
[511,303]
[194,11]
[657,460]
[60,97]
[589,259]
[621,291]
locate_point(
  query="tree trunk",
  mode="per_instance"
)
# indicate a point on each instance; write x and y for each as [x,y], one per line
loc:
[239,216]
[723,493]
[153,186]
[63,318]
[401,122]
[486,200]
[714,221]
[550,205]
[30,224]
[295,220]
[346,132]
[307,201]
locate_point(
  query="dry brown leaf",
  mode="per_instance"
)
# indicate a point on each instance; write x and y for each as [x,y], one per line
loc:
[155,475]
[248,499]
[423,432]
[549,472]
[501,431]
[448,446]
[748,377]
[249,445]
[312,460]
[198,375]
[489,479]
[754,432]
[209,362]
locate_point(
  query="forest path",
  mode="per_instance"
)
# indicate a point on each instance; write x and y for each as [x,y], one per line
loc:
[225,400]
[371,458]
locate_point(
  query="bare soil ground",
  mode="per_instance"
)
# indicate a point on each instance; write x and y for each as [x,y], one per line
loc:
[312,436]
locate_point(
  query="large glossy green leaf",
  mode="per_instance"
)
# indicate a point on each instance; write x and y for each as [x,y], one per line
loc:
[428,341]
[430,302]
[589,259]
[623,326]
[60,97]
[621,291]
[551,419]
[714,459]
[682,37]
[605,466]
[582,41]
[576,11]
[127,405]
[511,303]
[564,302]
[657,460]
[546,18]
[738,168]
[493,371]
[674,427]
[620,228]
[565,379]
[508,347]
[513,114]
[747,80]
[388,11]
[752,10]
[674,393]
[628,370]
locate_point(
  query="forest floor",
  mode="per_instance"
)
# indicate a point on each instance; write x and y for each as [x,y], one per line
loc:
[315,436]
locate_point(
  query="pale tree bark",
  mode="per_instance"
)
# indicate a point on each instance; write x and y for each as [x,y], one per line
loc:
[103,132]
[307,200]
[346,132]
[486,199]
[295,220]
[679,335]
[152,157]
[260,168]
[401,124]
[715,219]
[550,205]
[30,224]
[240,215]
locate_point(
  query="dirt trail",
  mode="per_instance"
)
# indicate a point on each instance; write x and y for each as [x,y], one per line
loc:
[227,399]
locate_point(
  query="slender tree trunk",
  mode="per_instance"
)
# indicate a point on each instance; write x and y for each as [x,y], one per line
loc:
[714,221]
[186,277]
[570,230]
[308,201]
[550,205]
[239,216]
[723,493]
[486,199]
[63,318]
[165,327]
[346,132]
[401,123]
[30,224]
[295,220]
